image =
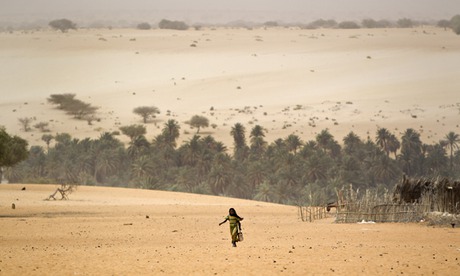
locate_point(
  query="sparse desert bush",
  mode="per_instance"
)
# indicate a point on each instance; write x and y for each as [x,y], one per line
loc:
[63,25]
[384,23]
[405,23]
[271,24]
[173,25]
[371,23]
[321,23]
[348,25]
[42,126]
[25,123]
[443,24]
[144,26]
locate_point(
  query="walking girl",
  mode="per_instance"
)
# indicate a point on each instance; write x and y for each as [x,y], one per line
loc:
[235,225]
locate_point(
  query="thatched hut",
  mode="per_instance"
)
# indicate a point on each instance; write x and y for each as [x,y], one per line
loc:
[441,195]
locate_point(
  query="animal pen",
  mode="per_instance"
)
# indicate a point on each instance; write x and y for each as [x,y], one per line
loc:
[410,202]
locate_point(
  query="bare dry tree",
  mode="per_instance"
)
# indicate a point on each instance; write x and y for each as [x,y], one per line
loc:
[64,190]
[25,123]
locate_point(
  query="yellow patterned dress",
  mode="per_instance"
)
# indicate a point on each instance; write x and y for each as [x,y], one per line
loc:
[233,227]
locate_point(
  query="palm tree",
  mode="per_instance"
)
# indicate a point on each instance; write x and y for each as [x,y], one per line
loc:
[411,142]
[171,132]
[105,164]
[436,159]
[258,144]
[239,141]
[257,131]
[393,144]
[264,192]
[411,151]
[138,146]
[220,177]
[191,151]
[327,143]
[257,173]
[308,149]
[385,169]
[293,142]
[452,139]
[382,139]
[238,133]
[324,139]
[316,167]
[142,167]
[351,142]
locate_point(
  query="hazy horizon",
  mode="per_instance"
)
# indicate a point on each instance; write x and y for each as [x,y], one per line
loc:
[214,11]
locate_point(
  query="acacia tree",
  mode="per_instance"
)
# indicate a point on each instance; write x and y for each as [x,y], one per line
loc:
[198,122]
[146,112]
[77,108]
[61,100]
[133,131]
[47,139]
[63,25]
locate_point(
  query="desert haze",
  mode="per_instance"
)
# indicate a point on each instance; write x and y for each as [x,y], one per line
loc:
[209,11]
[289,81]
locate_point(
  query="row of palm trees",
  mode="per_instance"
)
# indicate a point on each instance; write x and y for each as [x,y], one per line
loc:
[287,170]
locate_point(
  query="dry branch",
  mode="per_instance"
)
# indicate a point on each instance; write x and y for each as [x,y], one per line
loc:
[64,190]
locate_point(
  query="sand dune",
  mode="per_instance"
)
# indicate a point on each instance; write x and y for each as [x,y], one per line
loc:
[287,80]
[105,231]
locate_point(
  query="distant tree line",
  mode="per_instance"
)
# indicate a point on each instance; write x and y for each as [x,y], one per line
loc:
[64,25]
[453,23]
[288,170]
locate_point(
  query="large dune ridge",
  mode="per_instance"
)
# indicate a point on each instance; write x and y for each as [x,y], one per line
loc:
[289,81]
[119,231]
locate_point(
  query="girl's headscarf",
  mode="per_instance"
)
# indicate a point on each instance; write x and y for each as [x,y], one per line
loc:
[234,213]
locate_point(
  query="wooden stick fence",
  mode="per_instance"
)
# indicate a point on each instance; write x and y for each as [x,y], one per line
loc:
[357,212]
[312,213]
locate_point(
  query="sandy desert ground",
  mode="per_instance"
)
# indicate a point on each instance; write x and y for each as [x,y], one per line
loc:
[289,81]
[105,231]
